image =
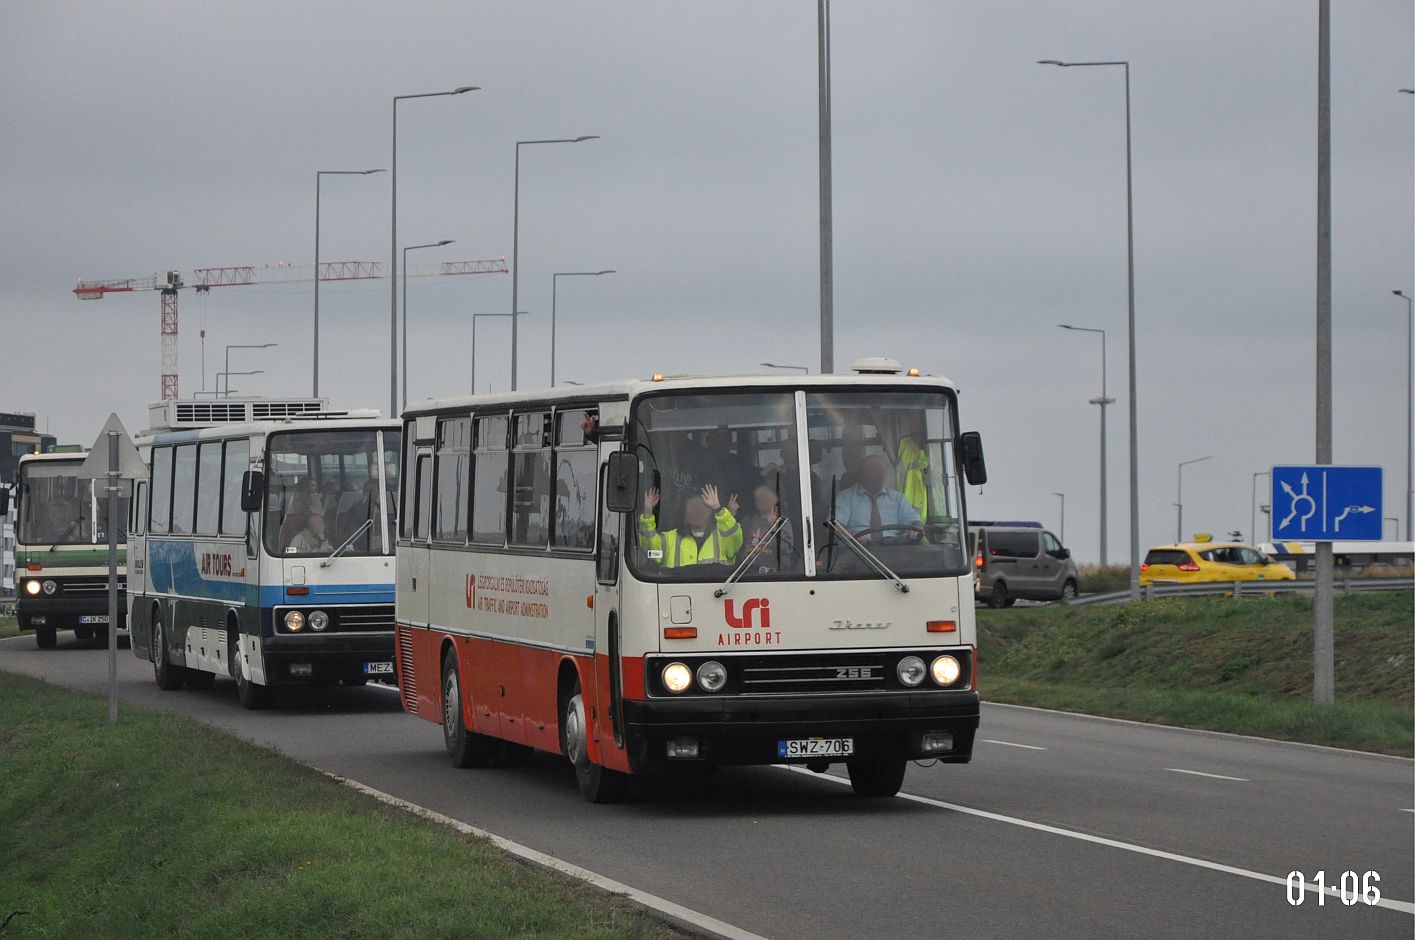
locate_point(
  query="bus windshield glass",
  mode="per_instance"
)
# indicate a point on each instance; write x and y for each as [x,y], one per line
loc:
[323,490]
[720,472]
[58,508]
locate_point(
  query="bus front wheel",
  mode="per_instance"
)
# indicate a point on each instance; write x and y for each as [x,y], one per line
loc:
[465,748]
[169,677]
[597,784]
[876,778]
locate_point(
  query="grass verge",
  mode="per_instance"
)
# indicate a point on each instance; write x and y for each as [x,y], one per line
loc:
[9,626]
[1214,663]
[162,826]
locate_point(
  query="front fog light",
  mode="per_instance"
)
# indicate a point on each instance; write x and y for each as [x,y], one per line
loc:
[318,620]
[677,677]
[910,671]
[294,621]
[712,676]
[946,670]
[32,588]
[50,587]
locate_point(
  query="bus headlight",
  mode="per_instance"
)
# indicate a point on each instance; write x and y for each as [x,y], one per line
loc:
[31,588]
[712,676]
[294,621]
[318,620]
[946,669]
[910,671]
[50,587]
[677,677]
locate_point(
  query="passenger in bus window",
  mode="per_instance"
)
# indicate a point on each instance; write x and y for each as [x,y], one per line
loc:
[311,539]
[709,535]
[56,521]
[589,427]
[871,504]
[766,509]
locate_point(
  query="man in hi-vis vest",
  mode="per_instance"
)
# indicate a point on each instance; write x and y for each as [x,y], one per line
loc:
[710,533]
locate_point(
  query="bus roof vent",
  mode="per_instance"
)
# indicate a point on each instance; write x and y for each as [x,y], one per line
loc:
[206,412]
[877,365]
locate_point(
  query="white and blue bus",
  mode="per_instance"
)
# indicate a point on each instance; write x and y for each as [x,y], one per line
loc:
[263,550]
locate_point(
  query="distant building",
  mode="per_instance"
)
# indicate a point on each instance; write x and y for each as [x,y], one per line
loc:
[17,438]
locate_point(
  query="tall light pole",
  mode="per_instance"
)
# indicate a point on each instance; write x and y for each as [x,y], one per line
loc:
[318,175]
[227,376]
[438,244]
[516,234]
[1179,500]
[1103,401]
[475,317]
[1254,511]
[827,248]
[1130,291]
[779,365]
[1062,533]
[228,360]
[393,249]
[554,283]
[1409,405]
[1323,622]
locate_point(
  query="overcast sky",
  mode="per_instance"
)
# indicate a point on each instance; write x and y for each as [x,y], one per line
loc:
[979,201]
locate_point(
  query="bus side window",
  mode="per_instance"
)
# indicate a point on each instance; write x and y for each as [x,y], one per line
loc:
[137,524]
[410,450]
[607,556]
[423,501]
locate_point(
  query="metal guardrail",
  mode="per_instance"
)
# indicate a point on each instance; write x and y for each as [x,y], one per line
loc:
[1242,589]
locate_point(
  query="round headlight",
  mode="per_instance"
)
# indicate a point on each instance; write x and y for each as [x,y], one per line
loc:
[712,676]
[50,587]
[294,621]
[31,587]
[318,620]
[910,671]
[677,677]
[946,669]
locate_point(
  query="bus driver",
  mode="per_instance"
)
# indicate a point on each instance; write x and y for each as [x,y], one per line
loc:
[871,504]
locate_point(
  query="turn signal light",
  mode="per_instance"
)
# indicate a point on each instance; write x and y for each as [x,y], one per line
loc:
[1188,566]
[943,626]
[680,633]
[297,591]
[34,567]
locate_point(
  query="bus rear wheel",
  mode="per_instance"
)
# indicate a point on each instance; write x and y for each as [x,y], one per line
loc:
[876,778]
[597,784]
[169,677]
[465,748]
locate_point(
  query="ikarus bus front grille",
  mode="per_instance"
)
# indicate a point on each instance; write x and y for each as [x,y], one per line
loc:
[89,586]
[377,618]
[795,674]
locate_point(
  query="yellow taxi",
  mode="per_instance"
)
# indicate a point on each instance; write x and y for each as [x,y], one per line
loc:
[1192,562]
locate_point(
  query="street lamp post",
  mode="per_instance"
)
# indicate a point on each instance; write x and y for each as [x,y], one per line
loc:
[554,284]
[438,244]
[318,175]
[1103,401]
[1409,406]
[475,317]
[393,249]
[1254,511]
[228,359]
[1179,500]
[779,365]
[227,376]
[516,234]
[1130,293]
[1062,533]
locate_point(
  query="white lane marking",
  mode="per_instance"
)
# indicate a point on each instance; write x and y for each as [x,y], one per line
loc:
[1404,906]
[1030,747]
[1408,811]
[663,906]
[1200,773]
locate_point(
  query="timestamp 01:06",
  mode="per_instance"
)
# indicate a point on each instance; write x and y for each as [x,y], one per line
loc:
[1351,887]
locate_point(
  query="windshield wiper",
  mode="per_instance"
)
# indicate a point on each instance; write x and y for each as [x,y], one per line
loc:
[346,543]
[847,538]
[64,536]
[752,553]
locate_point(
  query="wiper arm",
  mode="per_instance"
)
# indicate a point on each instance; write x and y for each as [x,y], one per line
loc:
[847,538]
[346,543]
[752,553]
[64,536]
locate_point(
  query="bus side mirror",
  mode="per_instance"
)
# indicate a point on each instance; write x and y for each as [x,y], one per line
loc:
[622,482]
[970,448]
[4,501]
[252,489]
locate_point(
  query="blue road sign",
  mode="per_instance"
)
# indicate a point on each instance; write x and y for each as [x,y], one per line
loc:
[1326,504]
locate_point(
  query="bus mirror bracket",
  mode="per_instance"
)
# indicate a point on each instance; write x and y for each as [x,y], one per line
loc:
[252,489]
[622,482]
[4,501]
[970,447]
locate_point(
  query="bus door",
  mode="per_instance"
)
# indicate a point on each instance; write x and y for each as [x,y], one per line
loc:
[137,542]
[607,635]
[414,562]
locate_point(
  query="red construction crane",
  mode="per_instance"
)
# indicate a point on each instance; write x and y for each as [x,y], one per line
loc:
[204,279]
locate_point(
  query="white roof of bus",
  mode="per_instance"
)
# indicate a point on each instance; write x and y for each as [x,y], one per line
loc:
[66,455]
[177,435]
[634,387]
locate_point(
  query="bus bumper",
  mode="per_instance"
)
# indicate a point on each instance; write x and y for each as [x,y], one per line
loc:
[63,613]
[749,730]
[317,660]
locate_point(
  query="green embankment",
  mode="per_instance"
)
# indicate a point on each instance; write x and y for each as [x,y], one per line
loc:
[162,827]
[1243,666]
[9,626]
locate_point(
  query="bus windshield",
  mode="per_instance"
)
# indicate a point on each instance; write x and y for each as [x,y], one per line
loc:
[57,508]
[880,462]
[323,490]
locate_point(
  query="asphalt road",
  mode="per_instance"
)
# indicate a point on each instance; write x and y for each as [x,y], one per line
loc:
[1062,826]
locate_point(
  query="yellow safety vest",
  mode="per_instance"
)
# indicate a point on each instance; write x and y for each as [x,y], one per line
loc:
[909,476]
[678,549]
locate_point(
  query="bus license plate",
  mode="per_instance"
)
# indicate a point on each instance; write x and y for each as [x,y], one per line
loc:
[816,747]
[378,669]
[94,618]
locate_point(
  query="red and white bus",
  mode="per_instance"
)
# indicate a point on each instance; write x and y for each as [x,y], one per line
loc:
[726,570]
